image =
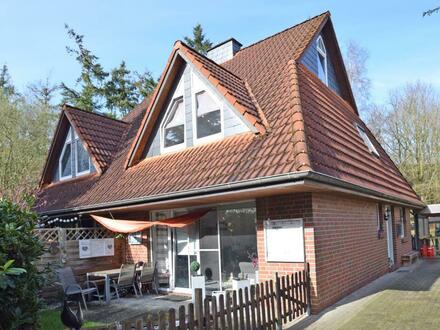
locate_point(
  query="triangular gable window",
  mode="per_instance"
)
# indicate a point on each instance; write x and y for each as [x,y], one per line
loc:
[322,60]
[174,128]
[74,159]
[208,116]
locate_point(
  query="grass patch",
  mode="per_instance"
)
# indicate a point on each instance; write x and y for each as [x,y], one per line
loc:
[50,320]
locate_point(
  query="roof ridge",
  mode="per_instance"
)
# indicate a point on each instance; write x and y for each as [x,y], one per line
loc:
[66,106]
[257,105]
[326,13]
[301,152]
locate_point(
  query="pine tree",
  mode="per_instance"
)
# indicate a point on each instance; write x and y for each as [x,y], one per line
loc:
[6,85]
[199,41]
[115,92]
[91,79]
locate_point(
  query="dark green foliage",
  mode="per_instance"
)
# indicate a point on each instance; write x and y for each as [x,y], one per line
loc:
[431,11]
[19,290]
[6,86]
[194,266]
[115,92]
[199,41]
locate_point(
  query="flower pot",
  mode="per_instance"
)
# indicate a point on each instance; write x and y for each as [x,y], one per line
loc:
[198,282]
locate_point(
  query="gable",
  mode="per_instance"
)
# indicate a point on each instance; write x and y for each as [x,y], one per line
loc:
[73,159]
[233,94]
[100,137]
[336,76]
[188,90]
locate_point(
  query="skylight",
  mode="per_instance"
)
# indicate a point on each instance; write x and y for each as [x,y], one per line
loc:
[367,140]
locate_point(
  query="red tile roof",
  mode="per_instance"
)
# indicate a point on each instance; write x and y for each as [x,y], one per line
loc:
[311,129]
[102,135]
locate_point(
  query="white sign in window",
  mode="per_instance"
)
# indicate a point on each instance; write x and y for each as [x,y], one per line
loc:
[90,248]
[284,240]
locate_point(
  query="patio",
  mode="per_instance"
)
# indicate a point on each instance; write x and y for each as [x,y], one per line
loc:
[129,307]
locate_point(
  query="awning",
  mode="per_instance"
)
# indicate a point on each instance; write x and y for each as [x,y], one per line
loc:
[182,220]
[132,226]
[123,226]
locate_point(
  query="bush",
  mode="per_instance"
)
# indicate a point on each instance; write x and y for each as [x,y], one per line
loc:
[19,289]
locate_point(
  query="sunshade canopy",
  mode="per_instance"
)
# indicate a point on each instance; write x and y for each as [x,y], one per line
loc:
[132,226]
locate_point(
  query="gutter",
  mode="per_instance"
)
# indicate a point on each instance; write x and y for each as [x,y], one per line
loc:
[293,178]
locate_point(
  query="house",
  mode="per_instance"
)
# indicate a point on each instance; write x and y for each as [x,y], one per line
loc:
[266,142]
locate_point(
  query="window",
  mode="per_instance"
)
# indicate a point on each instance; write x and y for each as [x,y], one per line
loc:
[322,60]
[208,116]
[174,128]
[82,157]
[74,159]
[402,222]
[65,163]
[367,140]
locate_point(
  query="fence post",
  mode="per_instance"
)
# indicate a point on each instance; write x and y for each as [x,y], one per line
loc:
[278,299]
[309,300]
[198,306]
[62,238]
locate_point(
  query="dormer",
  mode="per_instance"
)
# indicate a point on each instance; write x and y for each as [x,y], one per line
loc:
[74,160]
[197,102]
[84,144]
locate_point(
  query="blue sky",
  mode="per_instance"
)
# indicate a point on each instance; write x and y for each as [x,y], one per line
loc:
[403,46]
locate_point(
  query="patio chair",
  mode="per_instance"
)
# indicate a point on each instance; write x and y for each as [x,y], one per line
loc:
[126,279]
[147,278]
[72,288]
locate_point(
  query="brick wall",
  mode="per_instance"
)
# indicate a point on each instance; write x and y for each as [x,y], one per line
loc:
[349,253]
[286,207]
[138,252]
[401,245]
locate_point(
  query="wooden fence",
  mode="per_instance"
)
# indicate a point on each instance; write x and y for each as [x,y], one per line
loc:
[61,247]
[267,305]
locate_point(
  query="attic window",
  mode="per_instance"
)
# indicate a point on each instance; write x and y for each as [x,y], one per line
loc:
[74,159]
[174,128]
[367,140]
[65,162]
[322,60]
[82,157]
[208,116]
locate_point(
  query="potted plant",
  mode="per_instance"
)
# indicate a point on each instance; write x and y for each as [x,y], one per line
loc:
[197,280]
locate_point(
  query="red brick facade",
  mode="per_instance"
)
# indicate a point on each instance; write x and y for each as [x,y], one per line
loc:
[341,238]
[138,252]
[342,245]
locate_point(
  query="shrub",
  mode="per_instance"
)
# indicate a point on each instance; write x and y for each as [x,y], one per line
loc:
[20,279]
[194,266]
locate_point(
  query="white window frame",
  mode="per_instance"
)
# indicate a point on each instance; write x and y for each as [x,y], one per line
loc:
[77,140]
[66,142]
[179,93]
[323,53]
[197,87]
[367,141]
[402,216]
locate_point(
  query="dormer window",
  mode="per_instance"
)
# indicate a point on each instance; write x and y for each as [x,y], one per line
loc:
[65,162]
[82,158]
[367,140]
[74,158]
[174,127]
[322,60]
[208,116]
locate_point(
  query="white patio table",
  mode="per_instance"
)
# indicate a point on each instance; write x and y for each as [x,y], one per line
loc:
[107,275]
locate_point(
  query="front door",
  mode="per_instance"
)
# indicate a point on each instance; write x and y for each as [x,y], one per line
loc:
[389,222]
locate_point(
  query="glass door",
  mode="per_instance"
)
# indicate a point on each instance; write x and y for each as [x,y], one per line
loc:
[209,252]
[184,254]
